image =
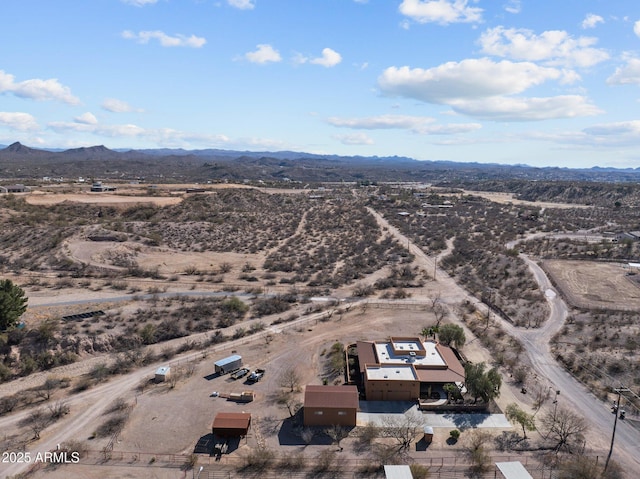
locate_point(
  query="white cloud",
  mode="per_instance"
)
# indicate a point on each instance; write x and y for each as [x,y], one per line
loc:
[553,47]
[617,128]
[242,4]
[513,6]
[86,118]
[354,139]
[139,3]
[18,121]
[165,40]
[382,122]
[468,79]
[483,88]
[636,28]
[629,74]
[417,124]
[37,89]
[329,58]
[118,106]
[264,54]
[527,109]
[161,136]
[441,11]
[591,20]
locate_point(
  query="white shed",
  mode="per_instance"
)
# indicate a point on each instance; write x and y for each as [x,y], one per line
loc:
[513,470]
[162,374]
[398,472]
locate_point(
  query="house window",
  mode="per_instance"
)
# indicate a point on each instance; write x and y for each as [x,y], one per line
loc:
[342,413]
[318,413]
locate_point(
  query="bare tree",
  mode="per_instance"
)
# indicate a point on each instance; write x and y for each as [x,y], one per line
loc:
[402,428]
[50,385]
[436,299]
[475,448]
[440,312]
[289,401]
[290,378]
[337,433]
[565,428]
[540,396]
[59,409]
[37,420]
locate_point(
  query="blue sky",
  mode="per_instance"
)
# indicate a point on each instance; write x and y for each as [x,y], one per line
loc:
[539,82]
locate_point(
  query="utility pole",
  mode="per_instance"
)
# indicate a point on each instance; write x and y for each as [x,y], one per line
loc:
[619,390]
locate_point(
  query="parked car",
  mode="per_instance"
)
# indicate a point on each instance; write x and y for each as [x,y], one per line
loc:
[240,373]
[256,376]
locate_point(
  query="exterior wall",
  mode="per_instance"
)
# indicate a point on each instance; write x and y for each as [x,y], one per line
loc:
[392,390]
[317,416]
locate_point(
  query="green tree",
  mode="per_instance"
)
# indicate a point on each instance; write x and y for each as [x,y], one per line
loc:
[13,303]
[481,384]
[518,416]
[452,334]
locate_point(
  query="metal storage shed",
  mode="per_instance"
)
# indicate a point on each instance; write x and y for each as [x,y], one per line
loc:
[231,424]
[513,470]
[162,373]
[397,472]
[228,364]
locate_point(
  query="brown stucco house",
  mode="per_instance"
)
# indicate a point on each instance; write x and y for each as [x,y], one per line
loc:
[406,368]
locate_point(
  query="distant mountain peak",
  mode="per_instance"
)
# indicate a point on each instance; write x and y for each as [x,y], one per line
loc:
[91,149]
[18,147]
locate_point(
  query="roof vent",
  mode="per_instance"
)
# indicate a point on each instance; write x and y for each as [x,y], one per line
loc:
[412,353]
[385,376]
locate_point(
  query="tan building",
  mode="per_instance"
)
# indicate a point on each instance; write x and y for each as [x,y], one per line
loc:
[406,368]
[330,405]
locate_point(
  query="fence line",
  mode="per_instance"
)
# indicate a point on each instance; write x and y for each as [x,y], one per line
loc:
[232,466]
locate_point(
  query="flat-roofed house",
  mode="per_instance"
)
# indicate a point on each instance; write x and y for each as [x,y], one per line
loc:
[406,368]
[330,405]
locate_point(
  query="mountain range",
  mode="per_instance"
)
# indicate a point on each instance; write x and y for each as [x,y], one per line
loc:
[20,162]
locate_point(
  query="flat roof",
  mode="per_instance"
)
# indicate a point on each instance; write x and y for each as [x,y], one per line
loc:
[406,344]
[331,396]
[391,372]
[513,470]
[227,360]
[163,370]
[386,355]
[397,472]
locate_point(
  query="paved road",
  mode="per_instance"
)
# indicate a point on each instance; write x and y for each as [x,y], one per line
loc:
[536,344]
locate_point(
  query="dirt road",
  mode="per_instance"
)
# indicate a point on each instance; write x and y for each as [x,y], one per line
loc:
[536,343]
[88,406]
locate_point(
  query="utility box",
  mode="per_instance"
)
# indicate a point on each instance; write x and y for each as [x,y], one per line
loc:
[428,434]
[228,364]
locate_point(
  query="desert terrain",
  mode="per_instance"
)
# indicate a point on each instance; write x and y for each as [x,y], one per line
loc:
[164,281]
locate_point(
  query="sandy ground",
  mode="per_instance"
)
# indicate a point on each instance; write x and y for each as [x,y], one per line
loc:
[100,198]
[591,284]
[171,421]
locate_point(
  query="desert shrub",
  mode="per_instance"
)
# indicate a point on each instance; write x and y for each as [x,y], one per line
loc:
[113,425]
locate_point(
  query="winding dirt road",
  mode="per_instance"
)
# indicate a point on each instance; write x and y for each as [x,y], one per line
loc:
[536,341]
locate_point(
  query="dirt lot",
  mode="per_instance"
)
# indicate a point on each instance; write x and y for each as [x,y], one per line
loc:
[166,420]
[592,285]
